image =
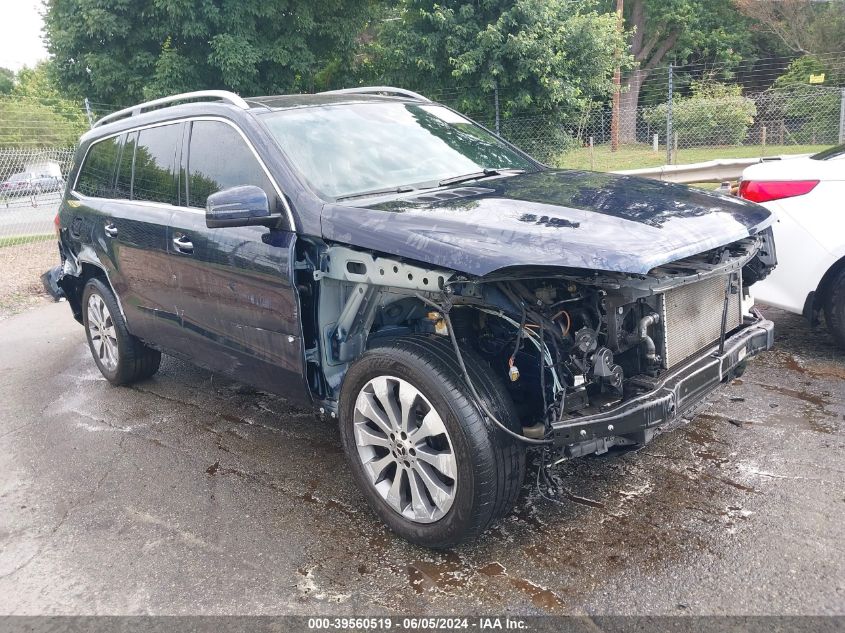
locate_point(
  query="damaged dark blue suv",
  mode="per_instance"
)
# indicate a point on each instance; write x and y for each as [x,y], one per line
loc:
[447,298]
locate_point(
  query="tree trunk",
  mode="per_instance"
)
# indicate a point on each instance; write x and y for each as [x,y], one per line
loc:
[630,99]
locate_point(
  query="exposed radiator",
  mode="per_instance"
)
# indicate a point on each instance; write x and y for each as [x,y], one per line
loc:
[692,317]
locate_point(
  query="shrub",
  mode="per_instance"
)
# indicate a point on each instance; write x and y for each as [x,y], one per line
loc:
[715,114]
[544,137]
[811,112]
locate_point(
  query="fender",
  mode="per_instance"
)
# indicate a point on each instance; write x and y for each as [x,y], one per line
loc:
[74,266]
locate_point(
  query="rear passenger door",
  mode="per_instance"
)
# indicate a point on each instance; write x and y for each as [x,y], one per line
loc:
[129,227]
[148,172]
[234,285]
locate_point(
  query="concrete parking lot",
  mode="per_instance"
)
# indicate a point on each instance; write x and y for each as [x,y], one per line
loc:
[190,493]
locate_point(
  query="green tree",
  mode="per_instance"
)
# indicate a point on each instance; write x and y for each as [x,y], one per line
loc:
[810,110]
[35,113]
[27,123]
[803,26]
[545,56]
[679,31]
[123,51]
[7,80]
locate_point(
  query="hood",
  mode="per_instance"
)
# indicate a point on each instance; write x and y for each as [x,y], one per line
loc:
[560,218]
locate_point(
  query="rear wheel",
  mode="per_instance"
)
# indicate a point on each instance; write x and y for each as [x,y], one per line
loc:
[120,357]
[834,308]
[427,462]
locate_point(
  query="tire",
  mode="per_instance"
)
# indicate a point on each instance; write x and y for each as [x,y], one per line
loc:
[834,308]
[120,357]
[488,465]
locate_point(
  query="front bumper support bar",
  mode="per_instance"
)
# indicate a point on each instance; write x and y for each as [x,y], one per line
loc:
[673,394]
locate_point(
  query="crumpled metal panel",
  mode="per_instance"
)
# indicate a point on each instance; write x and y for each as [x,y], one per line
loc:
[560,218]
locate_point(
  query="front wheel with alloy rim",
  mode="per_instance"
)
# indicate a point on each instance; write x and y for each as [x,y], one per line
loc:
[120,357]
[427,462]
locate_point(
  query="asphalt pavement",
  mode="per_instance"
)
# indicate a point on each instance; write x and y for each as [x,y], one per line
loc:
[19,216]
[189,494]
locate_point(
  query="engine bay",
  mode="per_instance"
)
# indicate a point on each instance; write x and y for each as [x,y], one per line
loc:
[565,343]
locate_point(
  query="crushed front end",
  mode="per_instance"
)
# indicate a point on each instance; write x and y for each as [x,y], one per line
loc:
[590,359]
[595,360]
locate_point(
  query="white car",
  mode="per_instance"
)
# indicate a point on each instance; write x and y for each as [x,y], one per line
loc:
[808,197]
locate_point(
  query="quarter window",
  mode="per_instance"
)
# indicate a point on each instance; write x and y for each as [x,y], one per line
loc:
[155,164]
[96,178]
[219,158]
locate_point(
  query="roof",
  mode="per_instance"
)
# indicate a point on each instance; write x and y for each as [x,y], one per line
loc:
[215,100]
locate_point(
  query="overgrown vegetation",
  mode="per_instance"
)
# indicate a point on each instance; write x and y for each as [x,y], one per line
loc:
[714,114]
[35,114]
[811,106]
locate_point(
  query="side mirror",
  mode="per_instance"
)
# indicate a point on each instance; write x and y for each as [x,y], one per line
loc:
[237,206]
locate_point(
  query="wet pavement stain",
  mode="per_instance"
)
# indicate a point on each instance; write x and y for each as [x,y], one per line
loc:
[539,596]
[658,521]
[447,573]
[819,401]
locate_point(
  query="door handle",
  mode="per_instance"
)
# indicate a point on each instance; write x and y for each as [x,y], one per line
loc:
[110,229]
[183,244]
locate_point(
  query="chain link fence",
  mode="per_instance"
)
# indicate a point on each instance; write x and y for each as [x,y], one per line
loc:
[32,181]
[675,115]
[706,127]
[694,128]
[684,115]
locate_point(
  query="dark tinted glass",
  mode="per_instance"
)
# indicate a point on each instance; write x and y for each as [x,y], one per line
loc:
[219,158]
[123,188]
[155,161]
[96,178]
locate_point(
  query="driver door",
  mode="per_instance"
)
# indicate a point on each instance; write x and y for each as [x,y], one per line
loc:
[234,290]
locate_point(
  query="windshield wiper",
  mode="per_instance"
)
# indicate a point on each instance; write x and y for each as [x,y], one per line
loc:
[375,192]
[478,175]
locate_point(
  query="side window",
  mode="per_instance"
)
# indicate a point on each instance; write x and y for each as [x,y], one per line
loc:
[96,177]
[219,158]
[155,164]
[123,187]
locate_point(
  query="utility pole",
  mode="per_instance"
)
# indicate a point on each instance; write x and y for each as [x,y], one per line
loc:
[842,118]
[496,102]
[88,113]
[669,114]
[617,83]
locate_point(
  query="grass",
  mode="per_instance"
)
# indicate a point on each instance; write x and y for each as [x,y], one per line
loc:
[639,156]
[17,240]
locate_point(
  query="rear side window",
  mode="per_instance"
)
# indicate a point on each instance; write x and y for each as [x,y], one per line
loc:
[123,187]
[96,178]
[219,158]
[155,164]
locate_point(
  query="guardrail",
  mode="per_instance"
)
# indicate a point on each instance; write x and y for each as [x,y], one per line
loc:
[718,170]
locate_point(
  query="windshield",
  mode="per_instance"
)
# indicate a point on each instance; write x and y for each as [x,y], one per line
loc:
[834,153]
[349,149]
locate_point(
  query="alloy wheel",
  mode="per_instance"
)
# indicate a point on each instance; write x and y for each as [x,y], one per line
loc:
[102,332]
[405,449]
